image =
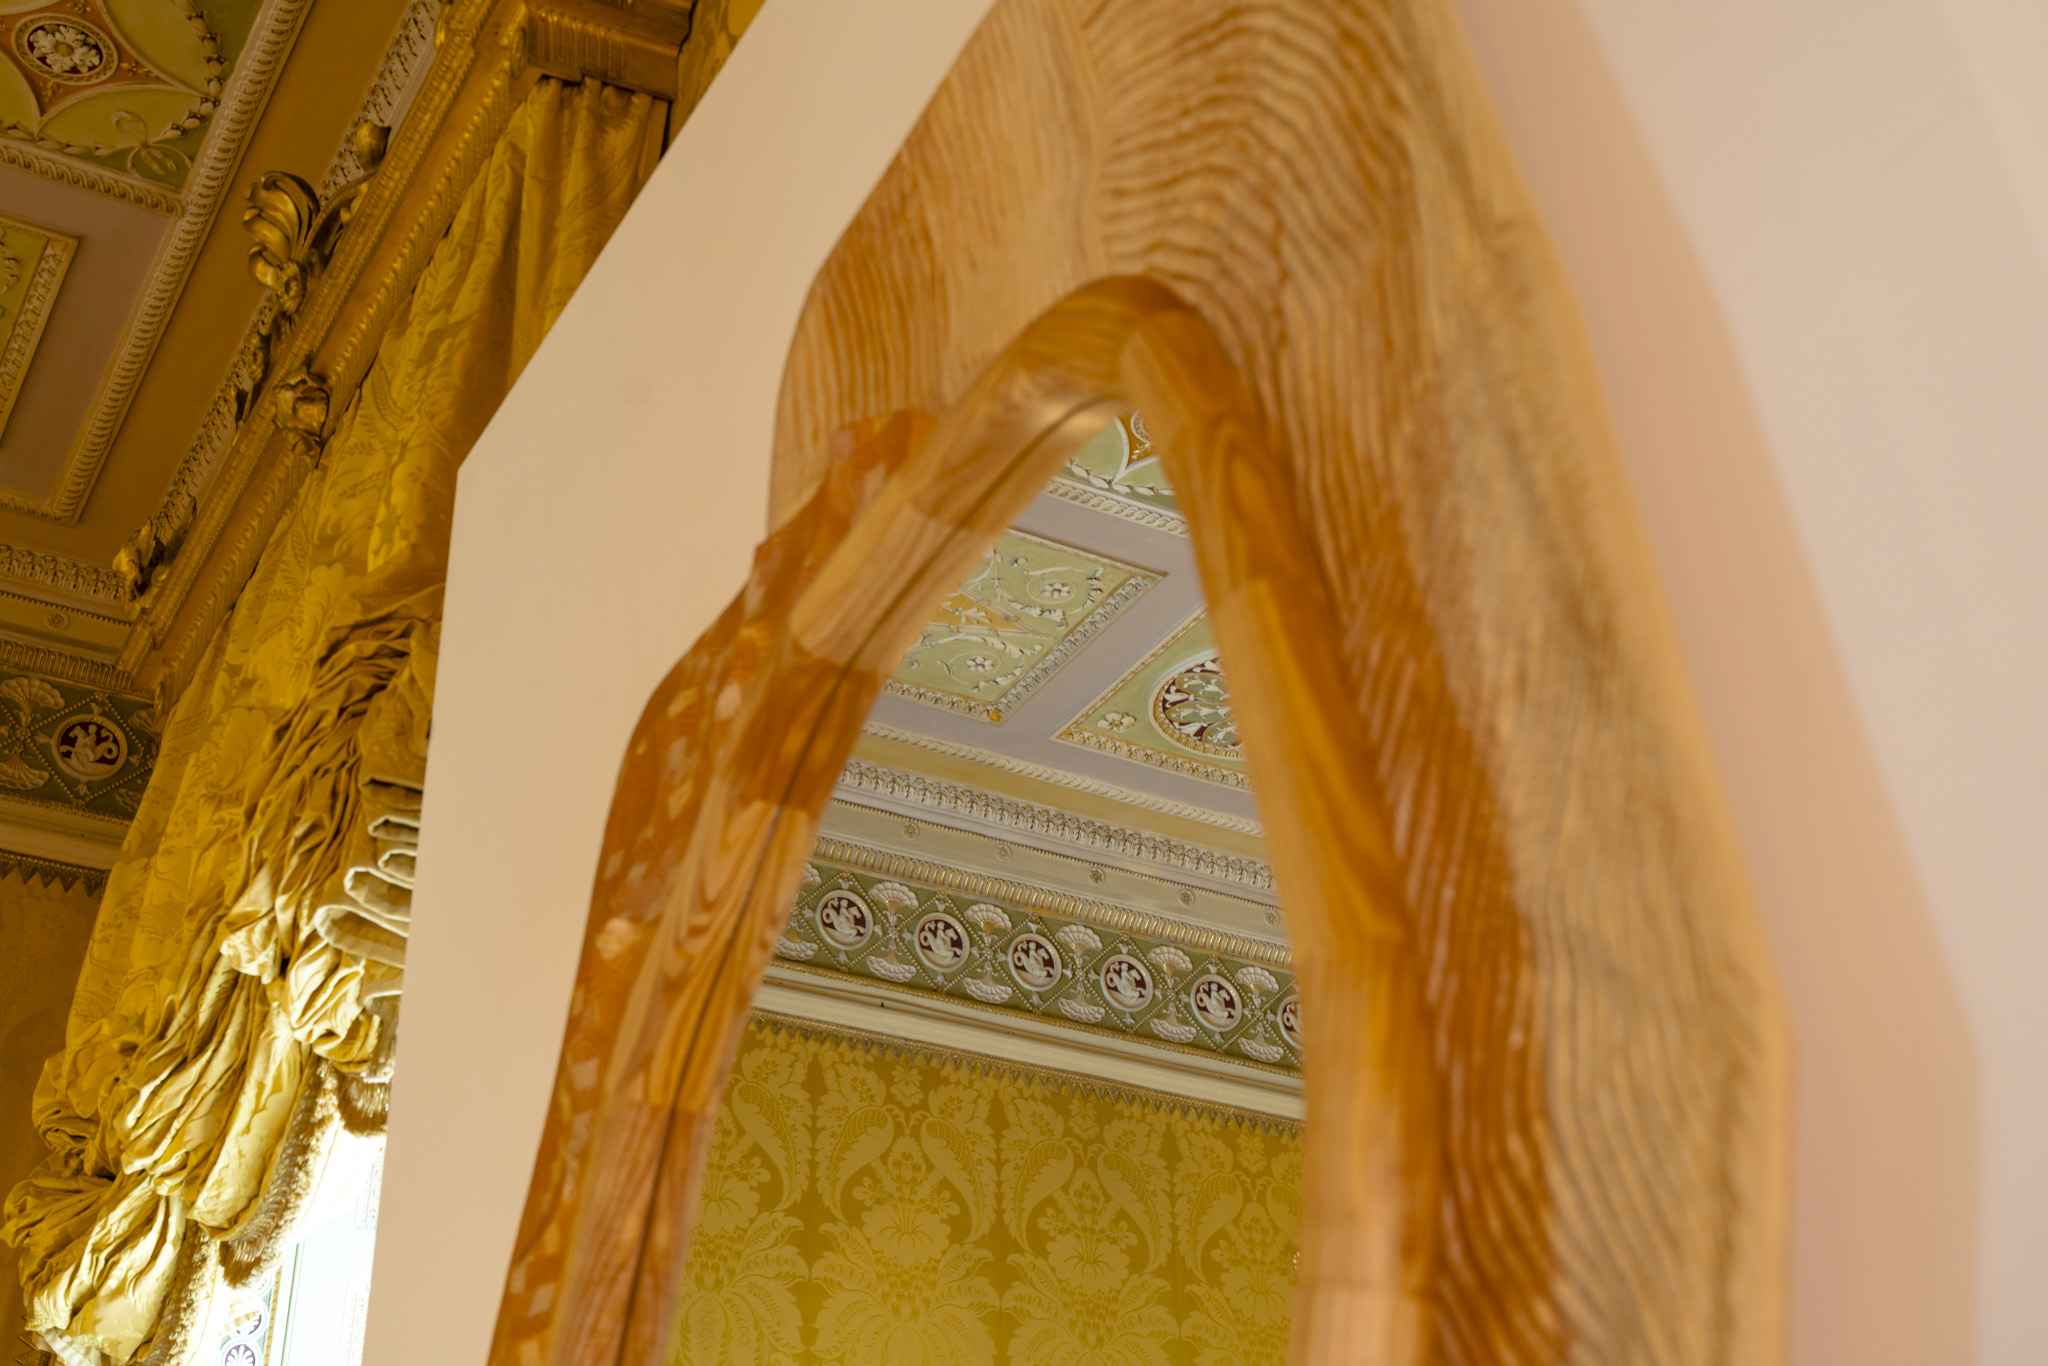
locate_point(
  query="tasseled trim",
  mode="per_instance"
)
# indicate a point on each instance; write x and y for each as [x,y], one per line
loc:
[253,1250]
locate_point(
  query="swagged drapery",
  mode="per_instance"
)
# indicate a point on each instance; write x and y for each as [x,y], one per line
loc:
[239,999]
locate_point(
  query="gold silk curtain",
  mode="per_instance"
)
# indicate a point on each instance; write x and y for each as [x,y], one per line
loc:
[870,1201]
[240,991]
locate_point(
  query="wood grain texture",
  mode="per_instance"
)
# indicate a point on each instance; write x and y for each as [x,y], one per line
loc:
[1547,1065]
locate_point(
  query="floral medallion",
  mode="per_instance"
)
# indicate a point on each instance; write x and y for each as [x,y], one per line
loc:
[1171,710]
[1193,709]
[67,50]
[873,914]
[126,85]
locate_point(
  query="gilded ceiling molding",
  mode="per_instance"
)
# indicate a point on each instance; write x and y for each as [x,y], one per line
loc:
[385,104]
[1100,500]
[482,66]
[987,808]
[383,107]
[61,664]
[96,582]
[21,326]
[26,156]
[1024,768]
[1093,483]
[247,88]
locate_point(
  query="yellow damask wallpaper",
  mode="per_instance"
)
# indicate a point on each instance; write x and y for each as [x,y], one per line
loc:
[883,1204]
[46,918]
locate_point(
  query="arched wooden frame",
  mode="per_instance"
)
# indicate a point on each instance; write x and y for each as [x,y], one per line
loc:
[1545,1068]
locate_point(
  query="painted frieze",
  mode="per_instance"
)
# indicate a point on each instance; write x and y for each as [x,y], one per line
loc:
[1027,608]
[1012,948]
[67,745]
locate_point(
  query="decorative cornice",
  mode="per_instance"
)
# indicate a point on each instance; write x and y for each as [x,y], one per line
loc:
[1035,953]
[480,71]
[382,106]
[83,176]
[1024,768]
[1087,910]
[41,659]
[466,98]
[1130,509]
[34,310]
[637,48]
[1186,765]
[65,875]
[248,87]
[24,565]
[987,808]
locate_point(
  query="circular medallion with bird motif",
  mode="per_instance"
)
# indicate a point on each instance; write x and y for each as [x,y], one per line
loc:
[844,919]
[90,747]
[941,941]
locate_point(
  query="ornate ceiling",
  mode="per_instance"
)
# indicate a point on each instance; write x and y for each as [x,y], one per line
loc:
[1055,755]
[1047,829]
[1075,663]
[129,130]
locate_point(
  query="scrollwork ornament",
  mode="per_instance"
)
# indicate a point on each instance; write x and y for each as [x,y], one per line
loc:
[282,214]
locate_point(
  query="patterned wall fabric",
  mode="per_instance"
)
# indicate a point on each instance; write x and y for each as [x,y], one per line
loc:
[46,916]
[872,1202]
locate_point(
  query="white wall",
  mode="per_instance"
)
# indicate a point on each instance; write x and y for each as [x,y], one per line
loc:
[604,519]
[1805,253]
[1802,238]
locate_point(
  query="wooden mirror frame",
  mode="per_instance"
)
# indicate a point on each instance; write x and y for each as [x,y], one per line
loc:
[1546,1065]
